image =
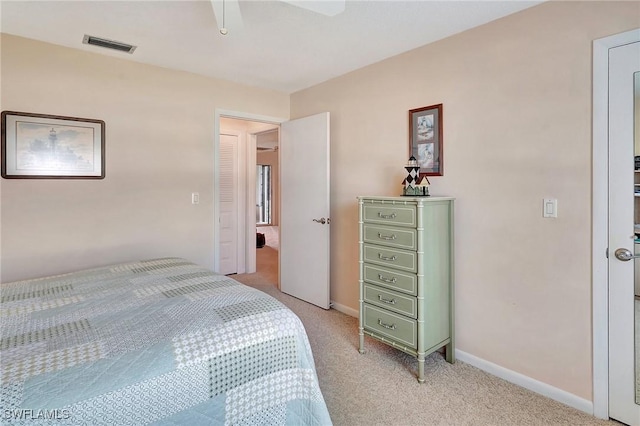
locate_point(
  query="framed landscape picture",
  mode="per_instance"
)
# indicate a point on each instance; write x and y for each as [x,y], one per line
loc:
[39,146]
[425,139]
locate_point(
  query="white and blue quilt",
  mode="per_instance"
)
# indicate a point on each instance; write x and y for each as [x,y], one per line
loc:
[161,341]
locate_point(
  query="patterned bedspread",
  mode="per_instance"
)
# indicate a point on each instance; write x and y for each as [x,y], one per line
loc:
[160,341]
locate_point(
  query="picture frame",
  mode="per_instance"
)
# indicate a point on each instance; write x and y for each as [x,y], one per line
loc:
[425,139]
[42,146]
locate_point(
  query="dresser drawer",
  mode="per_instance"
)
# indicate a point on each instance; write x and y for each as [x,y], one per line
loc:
[390,325]
[391,300]
[402,215]
[392,237]
[390,278]
[395,258]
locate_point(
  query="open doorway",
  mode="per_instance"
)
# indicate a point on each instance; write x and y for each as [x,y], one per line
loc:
[267,203]
[303,268]
[257,171]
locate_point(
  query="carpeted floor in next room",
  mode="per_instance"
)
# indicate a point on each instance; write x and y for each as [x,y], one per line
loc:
[380,386]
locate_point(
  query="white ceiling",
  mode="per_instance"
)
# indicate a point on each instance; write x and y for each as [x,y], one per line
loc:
[276,45]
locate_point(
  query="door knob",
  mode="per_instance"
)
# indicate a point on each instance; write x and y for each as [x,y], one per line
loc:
[625,254]
[322,220]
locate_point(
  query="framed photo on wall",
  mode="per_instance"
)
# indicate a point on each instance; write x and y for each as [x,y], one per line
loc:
[425,139]
[39,146]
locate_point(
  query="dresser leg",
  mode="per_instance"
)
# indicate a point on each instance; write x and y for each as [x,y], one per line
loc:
[420,368]
[450,353]
[361,333]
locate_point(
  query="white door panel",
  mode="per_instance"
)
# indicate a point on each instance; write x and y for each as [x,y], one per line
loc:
[228,204]
[304,196]
[624,61]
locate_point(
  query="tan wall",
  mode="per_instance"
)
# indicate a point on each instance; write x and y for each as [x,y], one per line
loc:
[517,128]
[159,149]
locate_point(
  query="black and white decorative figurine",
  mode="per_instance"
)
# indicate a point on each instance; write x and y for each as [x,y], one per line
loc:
[413,185]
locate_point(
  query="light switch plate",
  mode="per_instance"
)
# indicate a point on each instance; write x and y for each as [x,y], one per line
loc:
[550,207]
[195,198]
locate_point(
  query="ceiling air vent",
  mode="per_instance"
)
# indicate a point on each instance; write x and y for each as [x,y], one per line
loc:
[109,44]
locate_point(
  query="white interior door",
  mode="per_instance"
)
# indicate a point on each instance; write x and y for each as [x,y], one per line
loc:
[304,215]
[228,204]
[624,61]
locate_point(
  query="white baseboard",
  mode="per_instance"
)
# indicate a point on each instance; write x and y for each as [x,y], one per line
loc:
[527,382]
[345,309]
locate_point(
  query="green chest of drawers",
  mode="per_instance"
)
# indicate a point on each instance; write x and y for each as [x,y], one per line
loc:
[406,274]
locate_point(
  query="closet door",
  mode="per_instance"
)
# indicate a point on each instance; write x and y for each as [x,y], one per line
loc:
[228,204]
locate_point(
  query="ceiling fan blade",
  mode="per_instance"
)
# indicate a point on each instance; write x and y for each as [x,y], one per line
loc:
[229,17]
[324,7]
[228,12]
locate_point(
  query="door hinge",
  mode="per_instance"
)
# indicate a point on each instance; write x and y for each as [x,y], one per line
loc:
[606,252]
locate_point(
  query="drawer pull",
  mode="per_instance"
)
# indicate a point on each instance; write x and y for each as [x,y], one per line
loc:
[387,301]
[386,216]
[392,258]
[387,280]
[387,326]
[386,237]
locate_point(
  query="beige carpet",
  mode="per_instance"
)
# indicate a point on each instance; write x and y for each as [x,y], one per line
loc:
[380,388]
[266,266]
[266,259]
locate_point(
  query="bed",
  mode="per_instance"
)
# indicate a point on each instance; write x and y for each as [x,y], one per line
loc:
[160,341]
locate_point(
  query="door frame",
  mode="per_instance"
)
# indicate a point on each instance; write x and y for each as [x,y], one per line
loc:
[250,176]
[600,217]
